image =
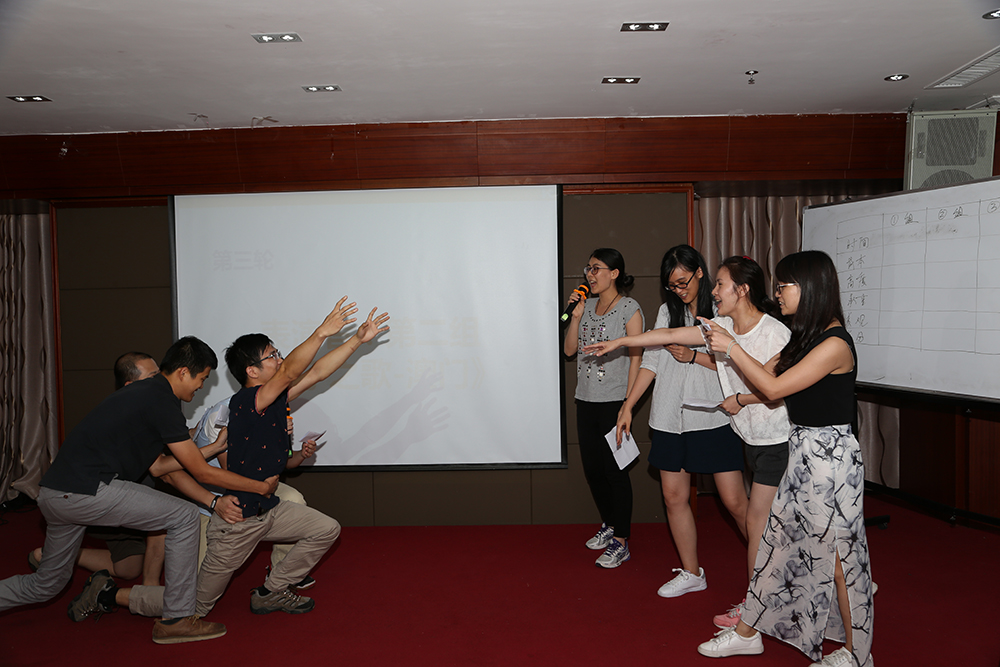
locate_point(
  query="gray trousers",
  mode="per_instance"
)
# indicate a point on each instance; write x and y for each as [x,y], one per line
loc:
[229,545]
[117,503]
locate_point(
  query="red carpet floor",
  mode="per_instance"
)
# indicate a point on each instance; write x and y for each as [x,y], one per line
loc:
[529,595]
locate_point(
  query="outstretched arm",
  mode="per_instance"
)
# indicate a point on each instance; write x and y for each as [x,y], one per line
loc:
[831,356]
[331,361]
[299,359]
[681,335]
[186,452]
[227,507]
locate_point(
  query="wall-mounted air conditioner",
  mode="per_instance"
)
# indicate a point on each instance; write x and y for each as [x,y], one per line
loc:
[949,147]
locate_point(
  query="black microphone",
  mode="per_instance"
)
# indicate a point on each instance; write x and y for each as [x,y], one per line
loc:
[584,290]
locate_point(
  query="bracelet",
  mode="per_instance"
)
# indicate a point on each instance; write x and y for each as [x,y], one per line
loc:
[738,401]
[728,349]
[212,506]
[695,356]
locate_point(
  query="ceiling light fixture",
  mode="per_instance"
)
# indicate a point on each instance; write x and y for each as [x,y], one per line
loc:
[752,73]
[995,14]
[620,79]
[645,27]
[897,77]
[28,98]
[321,89]
[276,37]
[978,69]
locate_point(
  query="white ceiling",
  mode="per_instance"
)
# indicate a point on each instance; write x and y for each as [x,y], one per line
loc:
[128,65]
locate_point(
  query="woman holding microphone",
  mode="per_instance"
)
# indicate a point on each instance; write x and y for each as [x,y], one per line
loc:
[601,386]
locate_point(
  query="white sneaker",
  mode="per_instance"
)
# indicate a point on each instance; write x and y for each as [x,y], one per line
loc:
[838,658]
[602,539]
[684,582]
[727,642]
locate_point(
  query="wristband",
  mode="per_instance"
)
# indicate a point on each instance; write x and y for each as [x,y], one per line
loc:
[738,401]
[694,357]
[729,349]
[214,501]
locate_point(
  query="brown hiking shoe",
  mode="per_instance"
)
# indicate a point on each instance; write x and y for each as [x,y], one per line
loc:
[190,629]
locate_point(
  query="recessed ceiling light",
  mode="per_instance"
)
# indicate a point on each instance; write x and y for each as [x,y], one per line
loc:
[639,26]
[995,14]
[620,79]
[321,89]
[276,37]
[897,77]
[28,98]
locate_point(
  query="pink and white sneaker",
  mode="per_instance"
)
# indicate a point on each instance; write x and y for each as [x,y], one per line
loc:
[731,618]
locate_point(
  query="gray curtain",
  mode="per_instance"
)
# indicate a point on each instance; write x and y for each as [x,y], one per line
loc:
[29,410]
[766,229]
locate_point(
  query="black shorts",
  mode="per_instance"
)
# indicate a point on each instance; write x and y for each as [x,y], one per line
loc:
[715,450]
[122,542]
[767,462]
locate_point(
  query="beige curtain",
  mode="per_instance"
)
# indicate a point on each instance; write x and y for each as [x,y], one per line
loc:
[28,396]
[766,229]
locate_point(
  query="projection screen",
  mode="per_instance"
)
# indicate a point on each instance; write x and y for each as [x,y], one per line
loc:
[468,374]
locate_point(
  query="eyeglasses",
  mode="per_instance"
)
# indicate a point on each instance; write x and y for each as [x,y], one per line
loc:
[276,355]
[680,284]
[594,269]
[781,286]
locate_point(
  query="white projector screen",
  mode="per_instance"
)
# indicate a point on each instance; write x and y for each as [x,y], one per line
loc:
[468,373]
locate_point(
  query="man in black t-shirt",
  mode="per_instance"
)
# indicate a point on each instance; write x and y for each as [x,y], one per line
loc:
[93,482]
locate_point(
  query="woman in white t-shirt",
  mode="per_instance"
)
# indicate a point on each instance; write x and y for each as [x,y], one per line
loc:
[749,315]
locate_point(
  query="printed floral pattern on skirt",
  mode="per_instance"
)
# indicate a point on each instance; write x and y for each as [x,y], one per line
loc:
[819,506]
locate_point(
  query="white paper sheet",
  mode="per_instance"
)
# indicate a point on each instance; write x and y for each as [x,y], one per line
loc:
[624,453]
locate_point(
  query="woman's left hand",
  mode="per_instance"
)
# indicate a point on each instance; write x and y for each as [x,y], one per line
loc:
[731,406]
[681,353]
[718,338]
[600,349]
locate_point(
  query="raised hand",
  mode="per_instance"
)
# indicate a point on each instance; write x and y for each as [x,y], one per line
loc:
[372,327]
[579,298]
[337,319]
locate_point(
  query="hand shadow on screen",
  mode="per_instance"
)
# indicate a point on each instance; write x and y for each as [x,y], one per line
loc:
[370,440]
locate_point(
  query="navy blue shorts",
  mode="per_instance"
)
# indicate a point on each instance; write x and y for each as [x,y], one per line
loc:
[715,450]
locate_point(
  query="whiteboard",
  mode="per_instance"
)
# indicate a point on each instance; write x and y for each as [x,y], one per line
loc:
[920,285]
[469,372]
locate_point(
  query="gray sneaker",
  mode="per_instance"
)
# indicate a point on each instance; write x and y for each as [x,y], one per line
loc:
[87,603]
[616,554]
[602,539]
[287,601]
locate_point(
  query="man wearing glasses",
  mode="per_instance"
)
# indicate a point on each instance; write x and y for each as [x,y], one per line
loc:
[259,447]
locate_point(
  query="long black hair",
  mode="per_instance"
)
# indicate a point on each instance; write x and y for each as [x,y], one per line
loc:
[688,258]
[614,260]
[819,301]
[746,272]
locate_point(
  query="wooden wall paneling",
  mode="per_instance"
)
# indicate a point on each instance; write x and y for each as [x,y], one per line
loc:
[197,161]
[878,144]
[64,163]
[807,145]
[984,463]
[416,150]
[298,155]
[452,497]
[928,451]
[690,146]
[538,147]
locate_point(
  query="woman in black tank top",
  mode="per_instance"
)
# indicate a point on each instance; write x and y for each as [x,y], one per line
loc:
[812,578]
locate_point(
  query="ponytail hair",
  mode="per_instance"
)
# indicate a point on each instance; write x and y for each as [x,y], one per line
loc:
[614,260]
[747,273]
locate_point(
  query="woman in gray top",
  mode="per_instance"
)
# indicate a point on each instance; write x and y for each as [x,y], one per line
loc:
[601,386]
